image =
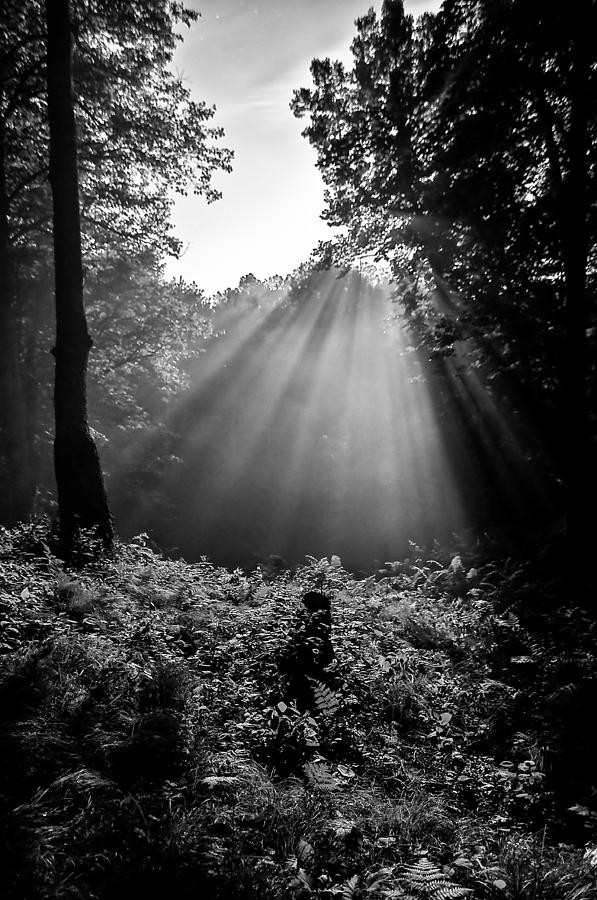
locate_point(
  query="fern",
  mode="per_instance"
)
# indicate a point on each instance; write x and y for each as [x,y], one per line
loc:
[305,854]
[350,889]
[320,776]
[326,700]
[428,881]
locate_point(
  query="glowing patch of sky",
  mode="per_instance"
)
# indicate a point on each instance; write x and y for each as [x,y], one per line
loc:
[247,58]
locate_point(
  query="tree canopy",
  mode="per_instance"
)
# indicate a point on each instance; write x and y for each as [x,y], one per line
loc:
[459,149]
[141,138]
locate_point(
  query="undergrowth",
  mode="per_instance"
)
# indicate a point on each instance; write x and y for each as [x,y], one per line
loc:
[150,742]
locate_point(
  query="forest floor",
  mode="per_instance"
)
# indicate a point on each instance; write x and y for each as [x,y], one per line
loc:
[150,743]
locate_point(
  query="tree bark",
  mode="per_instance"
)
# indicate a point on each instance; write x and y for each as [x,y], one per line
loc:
[580,479]
[82,501]
[17,479]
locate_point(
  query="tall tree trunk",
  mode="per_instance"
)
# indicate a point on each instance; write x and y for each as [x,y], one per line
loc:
[17,484]
[82,499]
[575,245]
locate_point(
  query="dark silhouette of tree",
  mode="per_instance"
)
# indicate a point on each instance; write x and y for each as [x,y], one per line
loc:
[516,123]
[460,150]
[577,234]
[82,499]
[139,136]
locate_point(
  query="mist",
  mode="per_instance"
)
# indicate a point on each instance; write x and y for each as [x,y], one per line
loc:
[313,427]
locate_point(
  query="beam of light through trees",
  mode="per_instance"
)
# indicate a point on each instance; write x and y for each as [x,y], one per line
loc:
[309,429]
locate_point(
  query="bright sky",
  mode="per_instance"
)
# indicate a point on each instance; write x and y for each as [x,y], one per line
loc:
[247,57]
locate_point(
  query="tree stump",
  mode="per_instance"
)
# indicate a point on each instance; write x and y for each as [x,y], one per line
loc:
[309,653]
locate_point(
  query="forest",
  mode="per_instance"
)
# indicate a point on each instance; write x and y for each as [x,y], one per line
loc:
[296,585]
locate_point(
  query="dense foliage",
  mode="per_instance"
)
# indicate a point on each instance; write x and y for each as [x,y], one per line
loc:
[150,740]
[188,729]
[141,138]
[459,150]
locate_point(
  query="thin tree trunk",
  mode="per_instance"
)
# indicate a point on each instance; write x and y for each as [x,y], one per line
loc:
[575,243]
[17,480]
[82,499]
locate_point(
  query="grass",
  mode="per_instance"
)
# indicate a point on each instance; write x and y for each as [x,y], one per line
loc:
[149,742]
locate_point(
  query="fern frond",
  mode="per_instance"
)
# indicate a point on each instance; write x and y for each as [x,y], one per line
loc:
[320,776]
[450,892]
[428,881]
[326,701]
[350,888]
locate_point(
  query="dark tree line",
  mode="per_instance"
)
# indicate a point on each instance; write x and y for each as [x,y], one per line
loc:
[89,106]
[460,150]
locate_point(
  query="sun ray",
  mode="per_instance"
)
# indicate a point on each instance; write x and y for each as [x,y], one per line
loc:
[312,427]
